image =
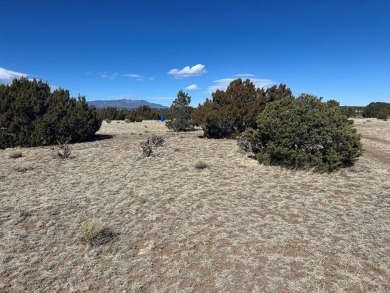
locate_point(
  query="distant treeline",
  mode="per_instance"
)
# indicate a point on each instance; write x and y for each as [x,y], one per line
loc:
[378,110]
[134,115]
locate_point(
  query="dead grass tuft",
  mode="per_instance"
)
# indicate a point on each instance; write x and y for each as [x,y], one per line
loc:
[64,151]
[94,232]
[16,154]
[23,167]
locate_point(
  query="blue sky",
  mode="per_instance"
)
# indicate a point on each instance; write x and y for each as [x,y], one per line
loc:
[151,49]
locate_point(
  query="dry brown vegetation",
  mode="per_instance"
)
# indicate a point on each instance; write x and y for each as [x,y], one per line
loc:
[235,226]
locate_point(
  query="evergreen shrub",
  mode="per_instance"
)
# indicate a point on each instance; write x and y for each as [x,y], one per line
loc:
[232,111]
[32,115]
[305,133]
[181,111]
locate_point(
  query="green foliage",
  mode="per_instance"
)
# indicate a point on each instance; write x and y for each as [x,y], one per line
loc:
[134,115]
[230,112]
[112,113]
[181,112]
[31,115]
[305,133]
[377,110]
[200,165]
[93,232]
[383,114]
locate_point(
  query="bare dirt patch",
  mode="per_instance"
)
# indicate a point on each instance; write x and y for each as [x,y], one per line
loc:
[235,226]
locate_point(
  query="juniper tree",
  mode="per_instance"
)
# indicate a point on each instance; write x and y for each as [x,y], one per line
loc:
[32,115]
[181,110]
[230,112]
[305,133]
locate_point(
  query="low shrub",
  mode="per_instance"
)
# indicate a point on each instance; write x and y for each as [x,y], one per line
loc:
[64,151]
[200,165]
[243,143]
[23,168]
[16,154]
[147,149]
[154,141]
[157,140]
[383,114]
[93,232]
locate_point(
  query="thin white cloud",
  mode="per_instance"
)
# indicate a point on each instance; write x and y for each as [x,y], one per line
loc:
[187,71]
[192,87]
[107,75]
[138,77]
[245,75]
[223,83]
[6,76]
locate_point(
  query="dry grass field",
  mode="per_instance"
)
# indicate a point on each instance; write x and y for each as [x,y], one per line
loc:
[235,226]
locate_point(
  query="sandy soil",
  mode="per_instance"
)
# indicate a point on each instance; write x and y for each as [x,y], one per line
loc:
[235,226]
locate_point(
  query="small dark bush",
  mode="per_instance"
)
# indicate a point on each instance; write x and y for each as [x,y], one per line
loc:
[147,149]
[155,141]
[383,114]
[200,165]
[243,143]
[64,151]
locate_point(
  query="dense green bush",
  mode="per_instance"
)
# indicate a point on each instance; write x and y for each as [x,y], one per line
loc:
[230,112]
[378,110]
[383,114]
[305,133]
[31,115]
[181,112]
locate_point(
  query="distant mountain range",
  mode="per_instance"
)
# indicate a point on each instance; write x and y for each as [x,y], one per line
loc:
[124,104]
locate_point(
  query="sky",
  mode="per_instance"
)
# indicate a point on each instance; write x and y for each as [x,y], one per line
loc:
[151,49]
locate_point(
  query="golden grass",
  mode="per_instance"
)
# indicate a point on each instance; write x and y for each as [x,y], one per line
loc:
[16,154]
[236,226]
